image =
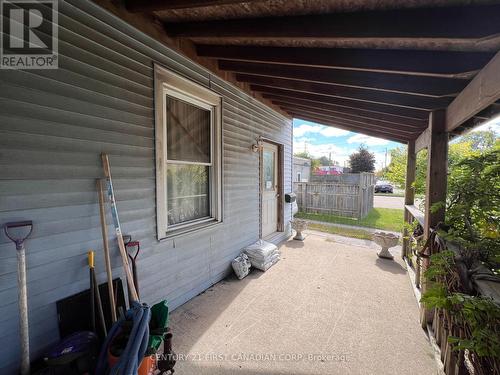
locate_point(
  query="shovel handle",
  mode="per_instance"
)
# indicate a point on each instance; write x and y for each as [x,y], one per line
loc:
[18,224]
[133,245]
[126,239]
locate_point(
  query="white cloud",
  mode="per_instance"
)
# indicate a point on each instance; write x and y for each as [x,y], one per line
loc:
[493,124]
[303,139]
[299,131]
[338,153]
[326,131]
[329,131]
[367,140]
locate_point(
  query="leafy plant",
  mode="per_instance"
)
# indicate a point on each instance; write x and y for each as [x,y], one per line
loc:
[479,316]
[473,206]
[441,265]
[482,317]
[473,223]
[462,148]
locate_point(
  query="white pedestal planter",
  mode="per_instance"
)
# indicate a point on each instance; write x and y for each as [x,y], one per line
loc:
[299,226]
[385,241]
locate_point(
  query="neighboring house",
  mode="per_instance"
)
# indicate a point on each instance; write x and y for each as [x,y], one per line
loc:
[186,178]
[301,169]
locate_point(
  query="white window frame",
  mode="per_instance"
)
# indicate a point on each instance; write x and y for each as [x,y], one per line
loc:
[178,87]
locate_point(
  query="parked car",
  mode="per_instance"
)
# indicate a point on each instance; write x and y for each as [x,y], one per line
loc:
[383,187]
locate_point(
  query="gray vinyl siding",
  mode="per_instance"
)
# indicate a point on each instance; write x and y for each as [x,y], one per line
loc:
[53,126]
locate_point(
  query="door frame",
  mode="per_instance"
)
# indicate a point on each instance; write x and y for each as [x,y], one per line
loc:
[281,181]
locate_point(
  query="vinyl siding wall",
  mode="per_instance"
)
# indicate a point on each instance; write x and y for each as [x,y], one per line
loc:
[53,126]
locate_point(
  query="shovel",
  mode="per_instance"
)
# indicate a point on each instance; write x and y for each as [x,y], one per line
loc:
[16,236]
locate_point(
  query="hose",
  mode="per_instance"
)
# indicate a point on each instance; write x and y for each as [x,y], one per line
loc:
[135,349]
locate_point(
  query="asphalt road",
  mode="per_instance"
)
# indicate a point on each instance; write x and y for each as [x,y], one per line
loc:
[388,201]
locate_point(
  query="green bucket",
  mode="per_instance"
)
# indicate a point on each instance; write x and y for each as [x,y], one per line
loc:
[157,325]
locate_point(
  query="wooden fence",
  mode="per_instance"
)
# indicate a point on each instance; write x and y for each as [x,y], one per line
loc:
[350,196]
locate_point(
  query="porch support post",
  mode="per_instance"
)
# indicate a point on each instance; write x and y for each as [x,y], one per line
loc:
[436,181]
[411,162]
[437,168]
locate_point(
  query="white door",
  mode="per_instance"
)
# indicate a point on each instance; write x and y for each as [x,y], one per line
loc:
[270,189]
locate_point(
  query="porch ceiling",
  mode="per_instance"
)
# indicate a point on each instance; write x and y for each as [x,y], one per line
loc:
[374,67]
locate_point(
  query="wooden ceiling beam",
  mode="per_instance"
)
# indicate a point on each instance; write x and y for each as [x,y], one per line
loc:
[483,91]
[380,97]
[355,112]
[423,85]
[459,22]
[451,64]
[143,6]
[362,130]
[349,117]
[362,124]
[321,99]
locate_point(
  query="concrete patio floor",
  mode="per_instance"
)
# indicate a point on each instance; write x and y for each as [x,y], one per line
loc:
[326,308]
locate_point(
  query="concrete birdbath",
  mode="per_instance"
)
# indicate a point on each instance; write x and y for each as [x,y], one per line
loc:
[385,241]
[299,226]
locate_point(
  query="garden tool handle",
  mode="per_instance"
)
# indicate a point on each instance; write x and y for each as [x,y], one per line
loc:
[90,257]
[126,239]
[131,245]
[22,290]
[18,224]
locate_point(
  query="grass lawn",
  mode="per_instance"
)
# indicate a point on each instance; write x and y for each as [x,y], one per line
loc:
[380,218]
[348,232]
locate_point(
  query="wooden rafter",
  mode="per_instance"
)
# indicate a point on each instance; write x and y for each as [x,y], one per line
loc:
[483,91]
[318,99]
[415,62]
[364,93]
[355,118]
[396,137]
[354,93]
[141,6]
[405,131]
[418,85]
[439,22]
[353,112]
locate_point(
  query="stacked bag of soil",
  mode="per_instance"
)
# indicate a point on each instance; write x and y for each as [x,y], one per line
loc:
[262,255]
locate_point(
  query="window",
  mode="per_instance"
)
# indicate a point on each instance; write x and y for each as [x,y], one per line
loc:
[188,157]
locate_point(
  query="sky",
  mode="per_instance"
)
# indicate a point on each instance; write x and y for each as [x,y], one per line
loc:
[320,140]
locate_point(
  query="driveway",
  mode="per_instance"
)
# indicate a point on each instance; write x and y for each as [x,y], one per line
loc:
[382,201]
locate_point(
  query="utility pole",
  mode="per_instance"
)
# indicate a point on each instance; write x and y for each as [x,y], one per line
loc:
[385,163]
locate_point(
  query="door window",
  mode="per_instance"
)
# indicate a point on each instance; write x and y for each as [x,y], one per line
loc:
[268,170]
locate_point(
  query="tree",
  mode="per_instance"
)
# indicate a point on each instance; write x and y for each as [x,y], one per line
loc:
[314,162]
[480,140]
[303,154]
[396,171]
[464,147]
[324,161]
[362,160]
